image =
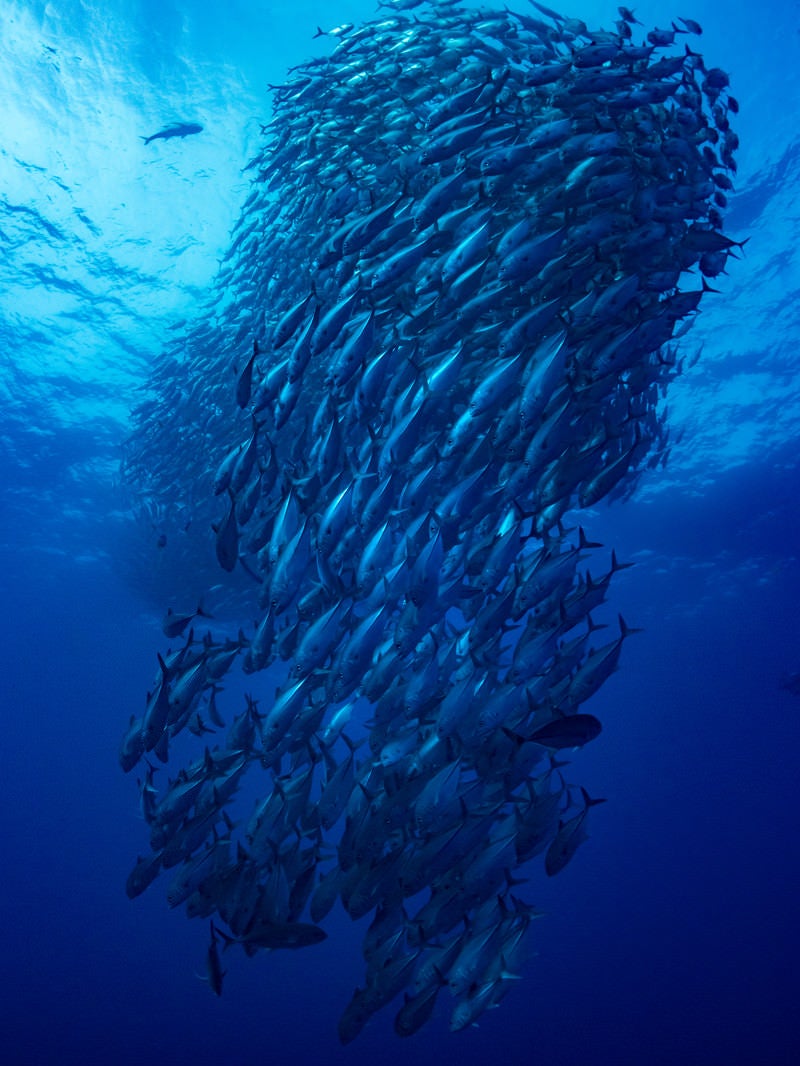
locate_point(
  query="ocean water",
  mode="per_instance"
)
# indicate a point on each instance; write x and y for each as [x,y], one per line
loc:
[672,936]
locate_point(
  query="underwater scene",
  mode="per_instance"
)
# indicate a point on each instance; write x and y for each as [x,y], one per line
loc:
[399,527]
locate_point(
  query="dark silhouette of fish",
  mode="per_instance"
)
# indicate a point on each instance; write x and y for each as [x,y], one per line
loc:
[182,129]
[572,731]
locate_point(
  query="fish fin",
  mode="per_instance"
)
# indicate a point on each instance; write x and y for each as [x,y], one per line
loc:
[513,881]
[226,940]
[583,543]
[515,737]
[626,630]
[615,564]
[588,801]
[505,973]
[353,745]
[161,747]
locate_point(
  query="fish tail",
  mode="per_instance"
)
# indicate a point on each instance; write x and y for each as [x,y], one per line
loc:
[588,801]
[201,612]
[226,940]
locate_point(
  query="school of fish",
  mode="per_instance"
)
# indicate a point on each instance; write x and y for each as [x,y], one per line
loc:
[452,301]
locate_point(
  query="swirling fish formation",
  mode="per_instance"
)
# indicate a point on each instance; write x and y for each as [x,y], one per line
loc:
[458,270]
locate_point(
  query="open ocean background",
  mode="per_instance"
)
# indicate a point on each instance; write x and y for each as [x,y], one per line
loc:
[673,936]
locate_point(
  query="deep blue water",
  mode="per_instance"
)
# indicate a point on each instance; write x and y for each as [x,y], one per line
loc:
[673,935]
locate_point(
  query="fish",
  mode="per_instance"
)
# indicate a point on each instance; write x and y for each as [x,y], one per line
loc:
[173,624]
[227,537]
[180,129]
[145,871]
[571,834]
[570,732]
[456,279]
[272,937]
[214,971]
[244,383]
[417,1009]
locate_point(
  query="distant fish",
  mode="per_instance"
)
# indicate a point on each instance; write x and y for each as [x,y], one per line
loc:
[182,129]
[214,971]
[173,623]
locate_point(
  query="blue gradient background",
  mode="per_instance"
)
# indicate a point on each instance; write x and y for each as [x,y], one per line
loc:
[673,936]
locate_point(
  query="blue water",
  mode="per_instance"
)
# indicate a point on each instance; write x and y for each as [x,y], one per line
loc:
[673,935]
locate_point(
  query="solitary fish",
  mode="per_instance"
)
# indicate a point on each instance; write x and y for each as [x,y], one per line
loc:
[567,732]
[271,936]
[214,971]
[182,129]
